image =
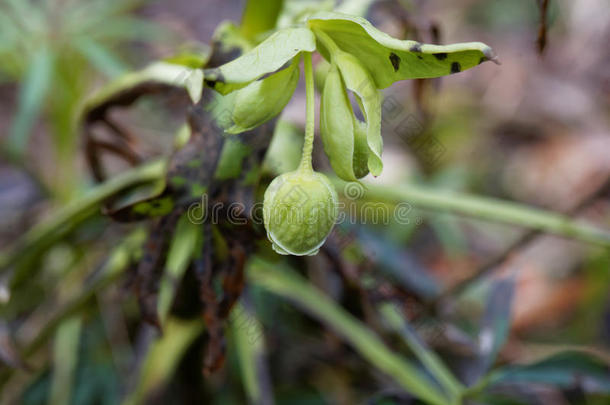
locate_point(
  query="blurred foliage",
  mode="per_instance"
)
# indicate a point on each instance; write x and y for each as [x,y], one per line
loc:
[375,319]
[54,49]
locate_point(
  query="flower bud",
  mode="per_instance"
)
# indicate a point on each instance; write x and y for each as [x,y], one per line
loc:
[299,211]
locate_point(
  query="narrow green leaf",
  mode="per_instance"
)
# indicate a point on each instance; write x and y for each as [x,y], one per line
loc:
[288,284]
[427,357]
[389,59]
[249,342]
[102,58]
[163,357]
[117,263]
[65,358]
[45,232]
[269,56]
[495,324]
[32,93]
[568,369]
[181,251]
[264,99]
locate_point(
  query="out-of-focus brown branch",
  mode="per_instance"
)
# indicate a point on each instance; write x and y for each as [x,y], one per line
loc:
[541,41]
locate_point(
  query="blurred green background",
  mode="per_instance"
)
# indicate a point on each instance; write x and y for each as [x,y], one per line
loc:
[534,130]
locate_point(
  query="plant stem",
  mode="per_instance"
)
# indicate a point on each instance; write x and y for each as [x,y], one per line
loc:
[305,165]
[490,209]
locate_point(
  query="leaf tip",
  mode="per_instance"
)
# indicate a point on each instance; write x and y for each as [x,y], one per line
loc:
[490,55]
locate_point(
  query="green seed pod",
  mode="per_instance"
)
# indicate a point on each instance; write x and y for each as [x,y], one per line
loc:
[299,211]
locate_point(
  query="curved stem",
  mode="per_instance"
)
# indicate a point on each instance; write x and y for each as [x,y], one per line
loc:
[305,164]
[490,209]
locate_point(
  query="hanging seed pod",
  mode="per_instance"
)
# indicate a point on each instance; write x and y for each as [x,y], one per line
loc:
[299,211]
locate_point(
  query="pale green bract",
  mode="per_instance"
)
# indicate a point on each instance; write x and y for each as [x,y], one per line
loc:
[389,59]
[343,135]
[269,56]
[361,150]
[358,80]
[263,99]
[300,209]
[337,126]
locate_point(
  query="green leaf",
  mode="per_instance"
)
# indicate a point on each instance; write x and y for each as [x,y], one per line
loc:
[566,369]
[358,80]
[263,99]
[495,323]
[427,357]
[193,55]
[193,83]
[259,16]
[102,58]
[389,59]
[114,267]
[163,357]
[361,149]
[181,252]
[160,72]
[284,151]
[231,159]
[65,359]
[45,233]
[31,96]
[288,284]
[269,56]
[337,126]
[249,343]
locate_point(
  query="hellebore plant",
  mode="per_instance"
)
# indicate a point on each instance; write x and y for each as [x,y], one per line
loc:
[300,208]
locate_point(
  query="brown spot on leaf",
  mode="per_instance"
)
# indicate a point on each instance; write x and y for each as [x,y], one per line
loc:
[440,55]
[395,60]
[415,48]
[455,67]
